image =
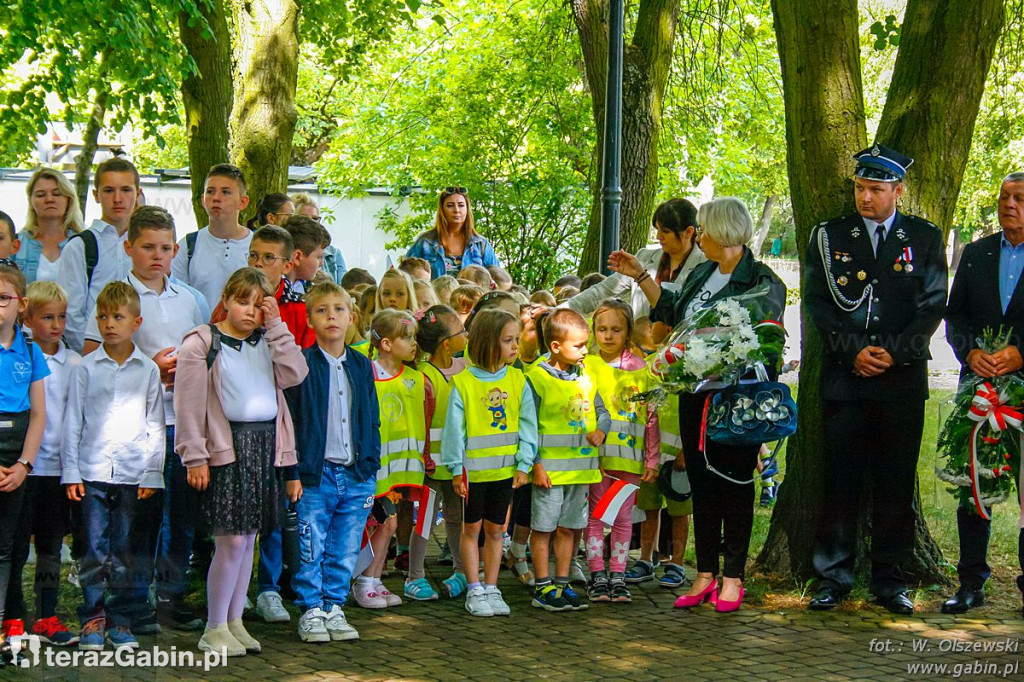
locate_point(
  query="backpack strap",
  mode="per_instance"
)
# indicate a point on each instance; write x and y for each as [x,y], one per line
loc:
[214,350]
[92,253]
[190,245]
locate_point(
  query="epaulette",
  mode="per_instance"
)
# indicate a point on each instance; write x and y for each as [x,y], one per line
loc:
[920,221]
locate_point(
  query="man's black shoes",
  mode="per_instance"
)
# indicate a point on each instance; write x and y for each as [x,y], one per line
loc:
[963,601]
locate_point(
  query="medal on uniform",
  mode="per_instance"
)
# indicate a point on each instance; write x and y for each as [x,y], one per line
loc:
[910,267]
[898,267]
[842,281]
[861,275]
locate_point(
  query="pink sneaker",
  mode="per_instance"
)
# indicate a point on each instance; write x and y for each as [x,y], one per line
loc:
[389,598]
[368,595]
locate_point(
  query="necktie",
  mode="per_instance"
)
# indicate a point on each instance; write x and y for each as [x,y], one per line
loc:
[880,238]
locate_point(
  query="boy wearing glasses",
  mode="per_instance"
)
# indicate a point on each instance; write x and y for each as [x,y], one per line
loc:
[207,259]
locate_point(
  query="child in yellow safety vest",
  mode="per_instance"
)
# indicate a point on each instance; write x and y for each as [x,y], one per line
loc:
[571,422]
[630,451]
[406,402]
[491,420]
[439,335]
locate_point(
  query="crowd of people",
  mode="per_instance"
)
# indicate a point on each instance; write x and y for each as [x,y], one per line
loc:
[181,404]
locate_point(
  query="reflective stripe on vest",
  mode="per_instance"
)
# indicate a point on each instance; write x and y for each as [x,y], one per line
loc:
[491,410]
[623,448]
[566,414]
[403,430]
[442,389]
[668,424]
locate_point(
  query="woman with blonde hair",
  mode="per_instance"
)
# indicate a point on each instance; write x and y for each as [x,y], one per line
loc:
[53,217]
[453,244]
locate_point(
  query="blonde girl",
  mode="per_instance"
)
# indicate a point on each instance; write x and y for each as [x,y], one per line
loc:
[395,290]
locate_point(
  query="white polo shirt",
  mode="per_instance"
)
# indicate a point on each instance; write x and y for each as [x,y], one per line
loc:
[213,261]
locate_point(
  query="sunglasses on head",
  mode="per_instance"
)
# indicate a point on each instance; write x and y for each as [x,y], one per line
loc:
[448,191]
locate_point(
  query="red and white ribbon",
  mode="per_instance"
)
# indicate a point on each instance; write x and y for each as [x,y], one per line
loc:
[988,406]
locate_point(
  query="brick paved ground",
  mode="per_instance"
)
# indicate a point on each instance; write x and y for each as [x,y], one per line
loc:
[644,640]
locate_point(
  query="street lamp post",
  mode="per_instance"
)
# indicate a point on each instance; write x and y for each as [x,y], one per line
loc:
[611,191]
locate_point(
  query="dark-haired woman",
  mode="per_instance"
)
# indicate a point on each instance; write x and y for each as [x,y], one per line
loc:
[675,225]
[273,209]
[453,243]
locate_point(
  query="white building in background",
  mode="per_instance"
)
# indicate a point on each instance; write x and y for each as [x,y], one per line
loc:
[351,222]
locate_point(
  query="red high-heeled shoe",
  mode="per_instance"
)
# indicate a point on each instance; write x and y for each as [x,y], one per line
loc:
[725,606]
[709,593]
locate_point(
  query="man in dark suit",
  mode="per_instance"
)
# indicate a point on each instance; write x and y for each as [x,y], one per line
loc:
[875,287]
[986,292]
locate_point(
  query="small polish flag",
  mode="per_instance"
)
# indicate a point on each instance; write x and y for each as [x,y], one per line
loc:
[611,502]
[365,557]
[428,510]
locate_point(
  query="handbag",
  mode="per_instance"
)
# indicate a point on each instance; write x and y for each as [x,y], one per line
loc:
[751,414]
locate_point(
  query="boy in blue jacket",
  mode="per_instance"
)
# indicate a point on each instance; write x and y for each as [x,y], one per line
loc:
[337,431]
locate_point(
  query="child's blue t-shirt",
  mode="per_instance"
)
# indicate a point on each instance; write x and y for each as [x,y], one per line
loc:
[18,369]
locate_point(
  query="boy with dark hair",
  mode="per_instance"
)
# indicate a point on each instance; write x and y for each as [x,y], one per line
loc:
[97,256]
[417,268]
[112,457]
[356,276]
[9,242]
[311,238]
[207,259]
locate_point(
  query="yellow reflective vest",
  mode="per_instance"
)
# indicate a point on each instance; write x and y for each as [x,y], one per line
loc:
[403,430]
[623,449]
[668,425]
[363,348]
[564,418]
[442,389]
[491,410]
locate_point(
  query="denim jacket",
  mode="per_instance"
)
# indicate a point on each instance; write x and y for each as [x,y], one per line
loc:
[29,254]
[428,247]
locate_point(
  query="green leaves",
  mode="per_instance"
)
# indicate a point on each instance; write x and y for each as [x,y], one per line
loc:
[886,34]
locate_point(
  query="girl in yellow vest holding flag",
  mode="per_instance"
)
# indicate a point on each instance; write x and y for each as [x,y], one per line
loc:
[490,420]
[406,401]
[630,451]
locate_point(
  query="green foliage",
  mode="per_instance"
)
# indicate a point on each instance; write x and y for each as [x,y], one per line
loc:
[886,34]
[492,100]
[56,55]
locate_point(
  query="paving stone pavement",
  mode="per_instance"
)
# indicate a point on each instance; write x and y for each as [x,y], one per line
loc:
[643,640]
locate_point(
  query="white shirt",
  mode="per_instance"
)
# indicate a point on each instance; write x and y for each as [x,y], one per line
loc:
[247,389]
[379,373]
[166,318]
[62,366]
[114,422]
[213,261]
[715,283]
[47,271]
[338,447]
[112,264]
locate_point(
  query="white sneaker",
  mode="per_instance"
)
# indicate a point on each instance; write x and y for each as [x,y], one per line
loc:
[312,626]
[495,601]
[219,638]
[238,631]
[576,574]
[73,572]
[390,598]
[270,608]
[478,604]
[366,595]
[338,627]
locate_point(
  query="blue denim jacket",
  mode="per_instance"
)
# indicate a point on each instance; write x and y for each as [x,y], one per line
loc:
[29,254]
[428,247]
[334,263]
[308,403]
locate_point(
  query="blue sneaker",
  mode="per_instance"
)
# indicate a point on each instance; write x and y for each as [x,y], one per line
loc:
[771,467]
[573,599]
[91,638]
[420,590]
[549,597]
[122,638]
[455,586]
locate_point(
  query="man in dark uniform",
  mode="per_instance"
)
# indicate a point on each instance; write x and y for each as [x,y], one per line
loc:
[986,292]
[875,286]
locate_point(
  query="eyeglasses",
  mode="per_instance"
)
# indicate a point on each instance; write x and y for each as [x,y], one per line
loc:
[5,300]
[452,336]
[700,231]
[287,215]
[9,262]
[264,258]
[448,191]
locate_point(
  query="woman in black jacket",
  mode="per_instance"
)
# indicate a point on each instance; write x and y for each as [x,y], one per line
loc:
[723,511]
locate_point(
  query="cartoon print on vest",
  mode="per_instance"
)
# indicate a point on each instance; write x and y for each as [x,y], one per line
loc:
[576,415]
[626,408]
[391,408]
[495,403]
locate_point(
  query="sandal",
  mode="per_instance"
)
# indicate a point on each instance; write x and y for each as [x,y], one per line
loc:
[640,572]
[420,590]
[674,576]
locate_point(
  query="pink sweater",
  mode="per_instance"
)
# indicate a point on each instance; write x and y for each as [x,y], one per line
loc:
[202,434]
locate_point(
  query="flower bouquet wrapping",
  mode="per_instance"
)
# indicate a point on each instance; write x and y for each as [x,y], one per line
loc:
[980,441]
[714,348]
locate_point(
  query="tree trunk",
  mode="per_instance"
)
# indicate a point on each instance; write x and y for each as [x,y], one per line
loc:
[958,251]
[264,115]
[764,224]
[207,96]
[90,140]
[821,80]
[933,100]
[646,62]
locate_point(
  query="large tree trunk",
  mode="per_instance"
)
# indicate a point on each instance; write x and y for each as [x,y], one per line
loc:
[933,100]
[207,96]
[264,115]
[646,62]
[764,224]
[821,80]
[90,140]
